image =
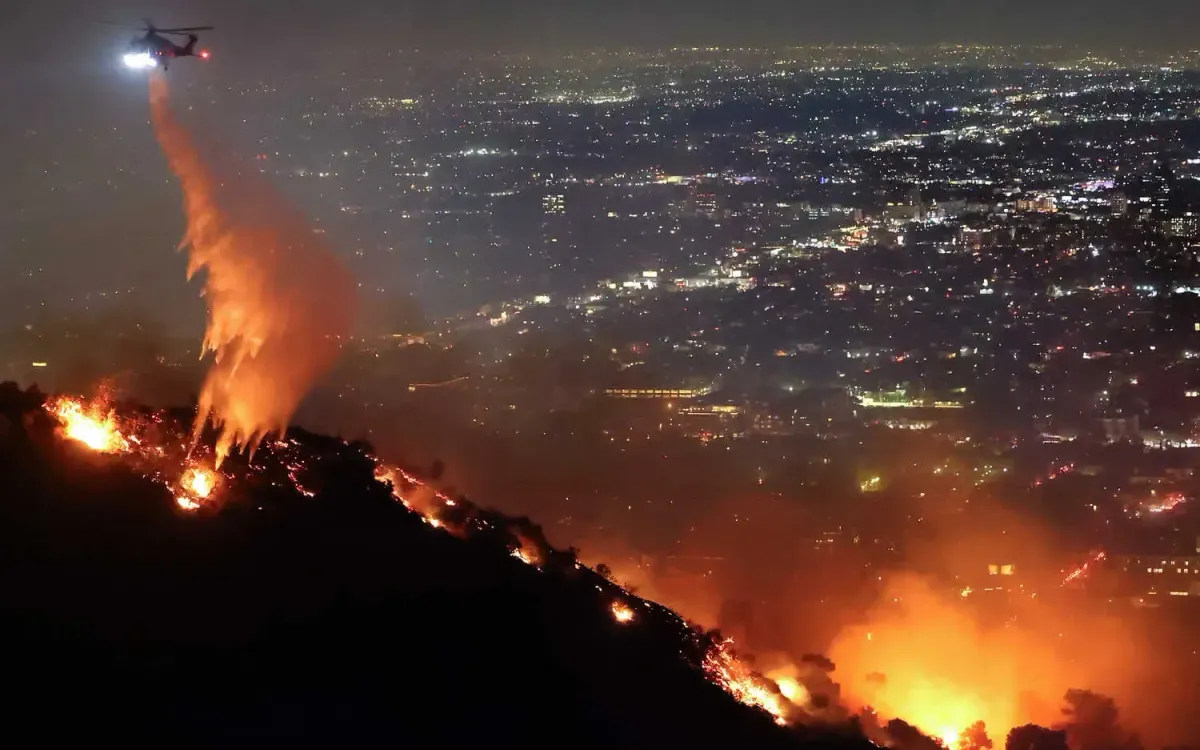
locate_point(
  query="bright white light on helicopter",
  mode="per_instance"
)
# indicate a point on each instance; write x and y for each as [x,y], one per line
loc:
[140,60]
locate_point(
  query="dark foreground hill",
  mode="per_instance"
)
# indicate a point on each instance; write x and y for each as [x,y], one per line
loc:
[335,619]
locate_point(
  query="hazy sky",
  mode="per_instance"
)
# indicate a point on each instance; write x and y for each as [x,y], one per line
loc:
[87,206]
[27,26]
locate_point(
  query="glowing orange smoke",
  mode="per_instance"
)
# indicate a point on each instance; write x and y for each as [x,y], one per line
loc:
[94,425]
[923,656]
[790,685]
[279,301]
[929,665]
[622,612]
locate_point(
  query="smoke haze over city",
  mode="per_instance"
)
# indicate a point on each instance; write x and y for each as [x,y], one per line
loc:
[839,363]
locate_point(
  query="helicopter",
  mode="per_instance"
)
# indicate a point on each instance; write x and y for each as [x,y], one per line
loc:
[153,48]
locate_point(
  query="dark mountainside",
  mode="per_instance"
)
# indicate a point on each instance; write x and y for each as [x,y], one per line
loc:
[337,618]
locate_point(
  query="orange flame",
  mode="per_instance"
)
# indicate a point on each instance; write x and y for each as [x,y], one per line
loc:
[723,667]
[279,301]
[789,685]
[196,487]
[622,612]
[525,556]
[94,425]
[920,661]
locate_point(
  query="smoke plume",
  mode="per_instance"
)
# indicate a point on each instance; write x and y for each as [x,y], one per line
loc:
[279,301]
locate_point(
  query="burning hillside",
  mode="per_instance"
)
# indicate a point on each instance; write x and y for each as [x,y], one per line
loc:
[184,556]
[306,588]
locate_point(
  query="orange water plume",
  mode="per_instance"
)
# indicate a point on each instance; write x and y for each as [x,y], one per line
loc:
[279,301]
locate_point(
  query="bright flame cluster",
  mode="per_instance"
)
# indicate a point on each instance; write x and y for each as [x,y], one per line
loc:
[195,487]
[622,612]
[724,668]
[96,426]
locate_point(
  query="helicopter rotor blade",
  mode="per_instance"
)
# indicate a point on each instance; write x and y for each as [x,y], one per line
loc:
[185,29]
[123,25]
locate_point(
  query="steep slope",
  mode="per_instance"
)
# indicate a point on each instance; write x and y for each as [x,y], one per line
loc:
[340,617]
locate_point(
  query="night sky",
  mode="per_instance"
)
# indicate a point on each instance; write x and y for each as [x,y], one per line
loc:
[87,206]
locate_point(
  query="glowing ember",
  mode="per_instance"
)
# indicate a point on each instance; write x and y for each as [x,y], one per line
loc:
[1083,570]
[1054,474]
[95,426]
[622,613]
[725,669]
[1167,503]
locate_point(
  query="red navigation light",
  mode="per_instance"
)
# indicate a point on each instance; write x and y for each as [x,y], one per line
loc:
[205,54]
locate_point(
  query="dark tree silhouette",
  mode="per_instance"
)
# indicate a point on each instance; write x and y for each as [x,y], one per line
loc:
[1033,737]
[1092,723]
[819,661]
[975,737]
[907,737]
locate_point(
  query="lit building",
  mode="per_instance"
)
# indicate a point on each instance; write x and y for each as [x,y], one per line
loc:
[710,421]
[658,393]
[1160,575]
[1120,428]
[1042,204]
[554,204]
[1118,204]
[705,203]
[900,399]
[977,239]
[1186,226]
